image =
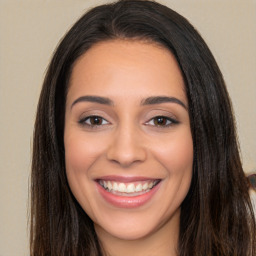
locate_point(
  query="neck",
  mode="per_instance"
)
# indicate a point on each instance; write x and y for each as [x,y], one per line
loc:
[162,241]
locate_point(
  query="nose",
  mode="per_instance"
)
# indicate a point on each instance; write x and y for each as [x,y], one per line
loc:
[126,147]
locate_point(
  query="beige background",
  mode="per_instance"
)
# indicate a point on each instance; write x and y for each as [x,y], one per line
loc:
[29,32]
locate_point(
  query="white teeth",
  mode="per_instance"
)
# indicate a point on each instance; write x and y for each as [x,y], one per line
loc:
[138,188]
[122,187]
[145,186]
[115,186]
[128,188]
[109,185]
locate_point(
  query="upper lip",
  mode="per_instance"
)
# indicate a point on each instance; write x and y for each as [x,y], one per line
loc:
[126,179]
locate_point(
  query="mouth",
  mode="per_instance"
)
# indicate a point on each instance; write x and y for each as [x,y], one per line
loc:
[127,192]
[128,189]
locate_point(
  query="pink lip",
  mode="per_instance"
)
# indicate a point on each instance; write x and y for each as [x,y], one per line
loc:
[126,201]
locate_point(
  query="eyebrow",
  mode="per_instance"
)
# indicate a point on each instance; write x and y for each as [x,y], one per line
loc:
[96,99]
[162,99]
[148,101]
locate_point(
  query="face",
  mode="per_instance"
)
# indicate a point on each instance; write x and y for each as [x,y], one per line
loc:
[128,144]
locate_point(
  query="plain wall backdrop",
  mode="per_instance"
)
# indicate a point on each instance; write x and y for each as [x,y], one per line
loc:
[29,33]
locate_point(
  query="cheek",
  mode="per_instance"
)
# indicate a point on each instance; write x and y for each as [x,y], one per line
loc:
[176,154]
[81,152]
[80,156]
[177,158]
[181,165]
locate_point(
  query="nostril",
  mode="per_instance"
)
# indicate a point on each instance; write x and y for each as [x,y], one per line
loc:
[125,156]
[126,146]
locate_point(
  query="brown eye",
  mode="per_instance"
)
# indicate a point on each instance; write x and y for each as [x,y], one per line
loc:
[160,120]
[93,121]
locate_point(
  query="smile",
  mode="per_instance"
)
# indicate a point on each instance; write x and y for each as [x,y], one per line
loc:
[128,189]
[123,192]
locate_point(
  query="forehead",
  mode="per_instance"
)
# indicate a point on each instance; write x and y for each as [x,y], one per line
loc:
[127,67]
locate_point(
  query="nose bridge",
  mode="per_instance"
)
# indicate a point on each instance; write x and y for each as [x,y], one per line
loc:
[126,145]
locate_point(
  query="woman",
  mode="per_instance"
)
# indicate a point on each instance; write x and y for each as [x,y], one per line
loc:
[135,147]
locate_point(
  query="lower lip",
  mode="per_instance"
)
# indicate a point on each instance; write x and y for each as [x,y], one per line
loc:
[127,201]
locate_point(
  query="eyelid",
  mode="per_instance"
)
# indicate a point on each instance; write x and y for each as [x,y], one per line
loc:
[83,120]
[170,121]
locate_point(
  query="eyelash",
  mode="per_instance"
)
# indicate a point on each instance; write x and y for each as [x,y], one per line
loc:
[166,121]
[102,121]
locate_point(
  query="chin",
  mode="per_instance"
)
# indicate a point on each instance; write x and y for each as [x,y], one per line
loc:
[137,225]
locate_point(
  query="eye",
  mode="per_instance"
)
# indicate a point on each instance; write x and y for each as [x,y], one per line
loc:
[93,121]
[162,121]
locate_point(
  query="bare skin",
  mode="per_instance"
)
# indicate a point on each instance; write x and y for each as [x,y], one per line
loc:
[127,125]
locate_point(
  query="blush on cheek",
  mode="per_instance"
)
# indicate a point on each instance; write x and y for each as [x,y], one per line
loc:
[76,147]
[177,156]
[81,154]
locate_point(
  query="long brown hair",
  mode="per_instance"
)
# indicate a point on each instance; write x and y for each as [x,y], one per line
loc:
[216,216]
